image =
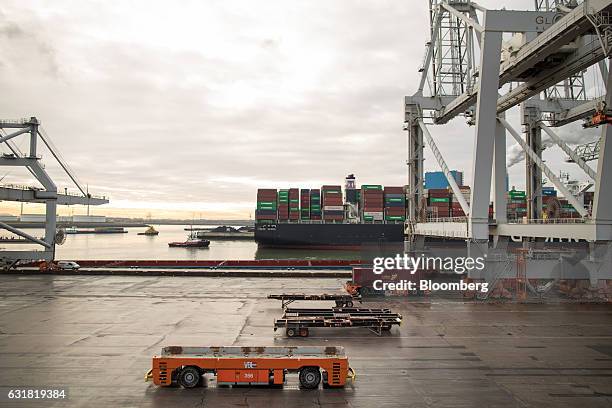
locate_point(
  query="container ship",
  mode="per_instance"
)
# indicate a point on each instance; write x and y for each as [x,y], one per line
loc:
[372,215]
[325,218]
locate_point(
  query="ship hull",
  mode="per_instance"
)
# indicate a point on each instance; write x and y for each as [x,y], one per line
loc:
[327,236]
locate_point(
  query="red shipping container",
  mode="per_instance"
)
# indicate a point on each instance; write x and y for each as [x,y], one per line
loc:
[394,190]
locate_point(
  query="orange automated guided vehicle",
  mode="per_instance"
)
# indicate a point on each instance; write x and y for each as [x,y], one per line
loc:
[186,366]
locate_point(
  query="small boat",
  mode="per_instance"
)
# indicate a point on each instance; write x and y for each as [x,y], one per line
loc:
[191,243]
[150,231]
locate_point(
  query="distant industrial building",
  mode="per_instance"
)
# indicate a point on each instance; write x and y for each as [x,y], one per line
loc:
[65,219]
[437,179]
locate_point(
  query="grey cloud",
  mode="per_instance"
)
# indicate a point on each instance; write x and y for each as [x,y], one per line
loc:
[269,43]
[22,46]
[305,93]
[10,30]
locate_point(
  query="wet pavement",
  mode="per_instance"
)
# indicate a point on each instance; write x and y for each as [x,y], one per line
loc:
[95,335]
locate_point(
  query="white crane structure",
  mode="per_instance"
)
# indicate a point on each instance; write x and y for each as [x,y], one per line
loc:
[47,195]
[479,63]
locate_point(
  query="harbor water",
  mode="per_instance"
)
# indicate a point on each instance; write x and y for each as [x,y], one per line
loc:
[131,246]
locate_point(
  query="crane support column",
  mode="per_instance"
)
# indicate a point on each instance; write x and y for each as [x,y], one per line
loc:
[533,173]
[33,136]
[602,204]
[415,161]
[486,126]
[500,211]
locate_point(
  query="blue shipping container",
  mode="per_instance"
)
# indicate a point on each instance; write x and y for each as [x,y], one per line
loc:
[437,179]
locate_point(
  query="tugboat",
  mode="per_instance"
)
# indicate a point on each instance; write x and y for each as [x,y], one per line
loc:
[150,231]
[192,242]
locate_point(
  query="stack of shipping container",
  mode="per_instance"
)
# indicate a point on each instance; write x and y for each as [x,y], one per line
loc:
[438,201]
[294,204]
[283,205]
[372,203]
[333,205]
[548,194]
[305,204]
[377,204]
[395,204]
[315,205]
[266,205]
[517,204]
[568,210]
[456,210]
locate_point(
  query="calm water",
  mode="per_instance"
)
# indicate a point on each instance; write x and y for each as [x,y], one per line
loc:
[133,246]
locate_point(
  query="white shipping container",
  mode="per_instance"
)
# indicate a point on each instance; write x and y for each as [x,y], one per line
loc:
[333,208]
[376,215]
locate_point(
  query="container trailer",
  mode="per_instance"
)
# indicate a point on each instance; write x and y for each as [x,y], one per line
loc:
[341,300]
[298,322]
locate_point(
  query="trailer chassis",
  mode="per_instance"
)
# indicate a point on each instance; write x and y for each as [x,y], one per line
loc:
[341,300]
[297,322]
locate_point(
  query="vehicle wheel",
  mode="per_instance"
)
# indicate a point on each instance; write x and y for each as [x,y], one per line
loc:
[339,303]
[291,332]
[310,377]
[189,377]
[349,303]
[364,291]
[304,332]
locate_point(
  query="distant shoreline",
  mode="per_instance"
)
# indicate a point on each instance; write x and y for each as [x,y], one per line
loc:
[129,224]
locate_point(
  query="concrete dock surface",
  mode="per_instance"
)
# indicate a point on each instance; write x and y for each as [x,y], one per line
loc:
[95,336]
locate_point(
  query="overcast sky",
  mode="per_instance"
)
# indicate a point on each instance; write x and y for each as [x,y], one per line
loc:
[188,107]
